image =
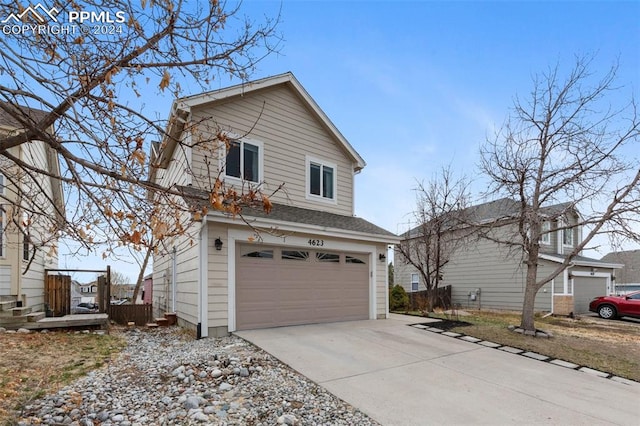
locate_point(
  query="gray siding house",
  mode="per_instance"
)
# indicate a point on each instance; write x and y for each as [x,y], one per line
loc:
[487,275]
[627,278]
[321,264]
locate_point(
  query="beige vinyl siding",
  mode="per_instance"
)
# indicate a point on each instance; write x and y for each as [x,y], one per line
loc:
[217,275]
[402,271]
[187,252]
[289,132]
[381,281]
[28,286]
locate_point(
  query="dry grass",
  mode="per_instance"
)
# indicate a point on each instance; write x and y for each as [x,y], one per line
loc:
[32,365]
[611,346]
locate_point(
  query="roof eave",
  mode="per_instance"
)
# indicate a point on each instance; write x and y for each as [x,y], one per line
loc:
[578,262]
[261,222]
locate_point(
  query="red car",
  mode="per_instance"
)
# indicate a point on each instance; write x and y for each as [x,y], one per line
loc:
[610,307]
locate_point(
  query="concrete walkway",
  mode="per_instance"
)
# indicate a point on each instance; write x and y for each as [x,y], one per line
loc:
[400,375]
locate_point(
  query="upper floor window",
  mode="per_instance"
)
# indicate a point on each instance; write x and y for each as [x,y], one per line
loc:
[545,233]
[567,236]
[414,282]
[321,180]
[243,161]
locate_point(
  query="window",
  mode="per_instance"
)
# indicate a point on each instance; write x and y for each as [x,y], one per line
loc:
[321,180]
[295,255]
[25,236]
[545,236]
[351,259]
[414,282]
[243,161]
[567,237]
[328,257]
[263,254]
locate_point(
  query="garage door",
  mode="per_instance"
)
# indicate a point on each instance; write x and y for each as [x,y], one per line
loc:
[585,289]
[277,286]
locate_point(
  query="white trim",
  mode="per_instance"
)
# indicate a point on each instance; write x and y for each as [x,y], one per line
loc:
[579,262]
[203,305]
[243,236]
[3,242]
[386,285]
[223,158]
[282,225]
[307,186]
[565,281]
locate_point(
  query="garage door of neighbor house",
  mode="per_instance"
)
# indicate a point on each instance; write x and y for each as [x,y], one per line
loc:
[277,286]
[585,289]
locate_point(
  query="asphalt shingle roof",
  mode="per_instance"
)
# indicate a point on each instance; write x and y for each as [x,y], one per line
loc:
[198,198]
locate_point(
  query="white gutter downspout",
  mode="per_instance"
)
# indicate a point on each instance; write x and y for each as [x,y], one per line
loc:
[174,278]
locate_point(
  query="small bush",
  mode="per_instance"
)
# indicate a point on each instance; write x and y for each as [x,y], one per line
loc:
[398,299]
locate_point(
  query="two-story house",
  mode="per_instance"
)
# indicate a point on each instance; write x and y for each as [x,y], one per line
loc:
[485,274]
[25,197]
[310,259]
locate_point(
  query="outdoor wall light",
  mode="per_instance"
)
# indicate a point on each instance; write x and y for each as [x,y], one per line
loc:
[382,257]
[218,244]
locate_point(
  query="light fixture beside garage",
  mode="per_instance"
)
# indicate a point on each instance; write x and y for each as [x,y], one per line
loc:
[218,244]
[382,257]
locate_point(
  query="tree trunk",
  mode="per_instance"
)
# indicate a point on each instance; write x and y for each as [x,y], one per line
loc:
[141,274]
[530,291]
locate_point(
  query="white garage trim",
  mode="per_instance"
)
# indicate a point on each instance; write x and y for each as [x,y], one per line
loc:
[239,235]
[594,275]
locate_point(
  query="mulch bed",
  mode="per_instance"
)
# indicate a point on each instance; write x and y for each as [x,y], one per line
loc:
[447,325]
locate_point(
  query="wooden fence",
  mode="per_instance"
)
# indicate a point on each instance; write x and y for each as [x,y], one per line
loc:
[140,314]
[57,294]
[418,299]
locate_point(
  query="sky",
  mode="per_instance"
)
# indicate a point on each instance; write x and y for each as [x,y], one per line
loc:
[415,86]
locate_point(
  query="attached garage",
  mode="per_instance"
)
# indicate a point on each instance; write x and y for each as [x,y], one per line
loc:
[584,290]
[279,286]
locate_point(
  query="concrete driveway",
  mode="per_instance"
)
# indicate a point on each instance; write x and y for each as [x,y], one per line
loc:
[400,375]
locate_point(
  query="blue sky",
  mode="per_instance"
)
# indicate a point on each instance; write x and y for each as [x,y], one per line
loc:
[415,86]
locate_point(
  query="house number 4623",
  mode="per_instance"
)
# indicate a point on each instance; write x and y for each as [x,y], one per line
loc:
[316,243]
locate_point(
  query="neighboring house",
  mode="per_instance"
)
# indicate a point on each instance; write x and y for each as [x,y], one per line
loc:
[122,291]
[83,293]
[314,261]
[628,278]
[147,290]
[20,195]
[487,275]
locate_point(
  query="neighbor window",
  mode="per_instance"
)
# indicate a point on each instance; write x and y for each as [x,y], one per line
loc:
[567,237]
[414,282]
[321,180]
[243,161]
[545,236]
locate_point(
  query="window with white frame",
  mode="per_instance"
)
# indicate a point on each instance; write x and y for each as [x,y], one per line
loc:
[545,233]
[567,236]
[243,161]
[25,236]
[415,281]
[321,180]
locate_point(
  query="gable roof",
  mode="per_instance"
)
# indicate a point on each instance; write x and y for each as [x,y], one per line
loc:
[197,199]
[631,270]
[503,208]
[181,107]
[580,261]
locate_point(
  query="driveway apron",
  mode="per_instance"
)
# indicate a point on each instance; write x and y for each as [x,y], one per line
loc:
[400,375]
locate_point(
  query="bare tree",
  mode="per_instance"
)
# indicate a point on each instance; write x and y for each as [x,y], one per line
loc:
[566,146]
[439,232]
[89,91]
[119,283]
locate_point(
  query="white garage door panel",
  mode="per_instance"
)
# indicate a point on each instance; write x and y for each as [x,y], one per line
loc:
[276,292]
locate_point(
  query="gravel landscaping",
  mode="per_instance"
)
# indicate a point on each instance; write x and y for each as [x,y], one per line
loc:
[163,377]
